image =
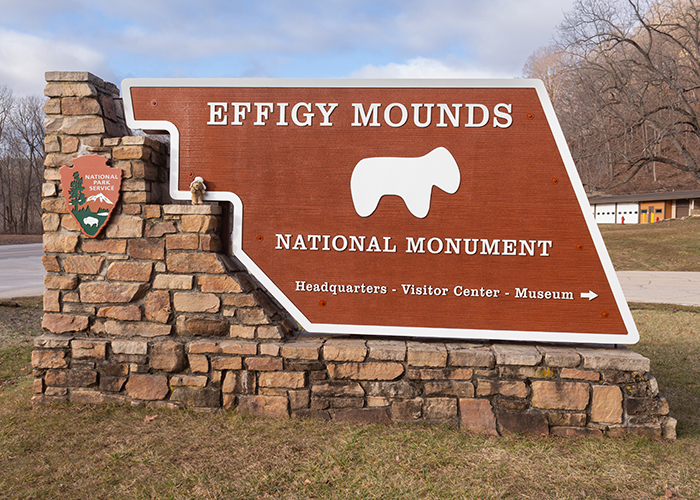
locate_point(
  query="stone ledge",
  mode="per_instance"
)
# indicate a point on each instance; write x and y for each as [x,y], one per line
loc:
[206,209]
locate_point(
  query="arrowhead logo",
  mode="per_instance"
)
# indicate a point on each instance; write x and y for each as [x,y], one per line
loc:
[91,190]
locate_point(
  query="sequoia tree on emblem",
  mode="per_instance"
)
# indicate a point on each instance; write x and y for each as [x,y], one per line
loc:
[91,190]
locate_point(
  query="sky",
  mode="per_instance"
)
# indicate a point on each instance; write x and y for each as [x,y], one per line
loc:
[271,38]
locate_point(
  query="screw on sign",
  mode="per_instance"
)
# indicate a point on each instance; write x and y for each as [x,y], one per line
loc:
[443,208]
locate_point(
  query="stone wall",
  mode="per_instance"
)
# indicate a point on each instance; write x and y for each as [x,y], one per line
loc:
[152,312]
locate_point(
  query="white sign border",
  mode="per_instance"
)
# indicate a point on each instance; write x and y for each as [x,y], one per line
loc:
[632,335]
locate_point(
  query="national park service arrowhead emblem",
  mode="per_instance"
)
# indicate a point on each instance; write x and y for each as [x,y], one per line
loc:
[91,189]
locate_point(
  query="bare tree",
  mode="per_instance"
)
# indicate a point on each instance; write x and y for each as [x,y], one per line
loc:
[629,80]
[21,162]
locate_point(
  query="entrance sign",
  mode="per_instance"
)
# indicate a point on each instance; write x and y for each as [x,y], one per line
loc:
[441,208]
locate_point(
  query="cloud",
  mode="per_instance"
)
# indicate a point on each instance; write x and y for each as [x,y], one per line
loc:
[25,58]
[421,67]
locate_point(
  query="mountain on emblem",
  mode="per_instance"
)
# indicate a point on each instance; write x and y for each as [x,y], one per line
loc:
[91,190]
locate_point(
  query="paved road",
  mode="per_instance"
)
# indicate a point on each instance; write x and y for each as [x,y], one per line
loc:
[661,287]
[22,274]
[21,271]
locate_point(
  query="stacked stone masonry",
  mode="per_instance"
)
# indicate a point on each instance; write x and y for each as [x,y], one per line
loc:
[152,312]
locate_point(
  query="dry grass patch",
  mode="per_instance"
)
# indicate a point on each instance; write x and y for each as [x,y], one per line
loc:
[670,245]
[82,452]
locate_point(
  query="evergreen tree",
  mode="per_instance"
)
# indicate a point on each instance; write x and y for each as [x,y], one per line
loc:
[77,197]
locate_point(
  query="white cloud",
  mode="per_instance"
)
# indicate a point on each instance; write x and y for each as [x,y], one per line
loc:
[421,67]
[25,58]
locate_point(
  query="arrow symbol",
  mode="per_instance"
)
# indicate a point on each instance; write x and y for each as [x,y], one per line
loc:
[590,295]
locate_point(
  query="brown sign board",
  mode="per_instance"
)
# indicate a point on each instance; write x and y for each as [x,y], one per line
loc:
[441,208]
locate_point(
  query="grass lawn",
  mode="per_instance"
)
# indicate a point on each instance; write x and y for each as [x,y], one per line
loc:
[71,451]
[672,245]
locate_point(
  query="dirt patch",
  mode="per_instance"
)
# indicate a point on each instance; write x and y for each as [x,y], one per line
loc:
[19,239]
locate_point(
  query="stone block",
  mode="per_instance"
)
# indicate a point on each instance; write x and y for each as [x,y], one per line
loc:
[196,302]
[344,350]
[218,284]
[124,226]
[201,326]
[185,262]
[136,329]
[203,347]
[168,357]
[387,350]
[189,381]
[399,389]
[199,224]
[364,415]
[531,423]
[573,373]
[301,350]
[241,347]
[560,357]
[288,380]
[112,384]
[239,382]
[182,241]
[614,359]
[83,264]
[204,397]
[476,415]
[264,406]
[117,247]
[55,205]
[337,388]
[298,399]
[46,359]
[102,292]
[262,364]
[147,249]
[449,388]
[560,395]
[507,388]
[48,341]
[130,271]
[89,349]
[210,243]
[199,363]
[647,406]
[70,378]
[252,316]
[440,409]
[113,370]
[49,223]
[242,332]
[510,354]
[136,347]
[226,363]
[52,282]
[366,371]
[157,306]
[562,419]
[122,313]
[426,354]
[51,301]
[173,282]
[147,387]
[62,323]
[407,411]
[272,332]
[269,349]
[477,357]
